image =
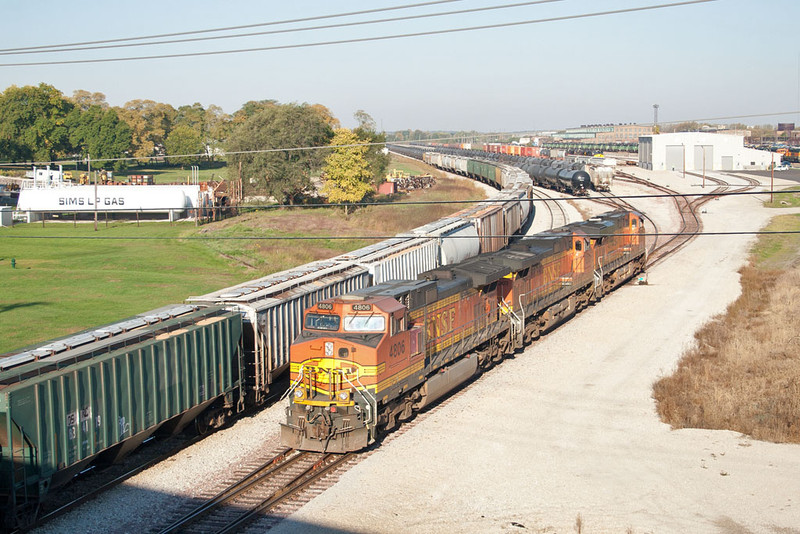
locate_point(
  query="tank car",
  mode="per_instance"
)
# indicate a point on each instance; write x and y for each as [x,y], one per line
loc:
[574,181]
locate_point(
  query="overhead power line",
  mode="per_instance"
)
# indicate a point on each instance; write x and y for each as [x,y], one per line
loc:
[363,39]
[232,28]
[287,30]
[374,237]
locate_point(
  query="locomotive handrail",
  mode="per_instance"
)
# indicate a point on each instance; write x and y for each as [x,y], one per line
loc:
[293,386]
[372,405]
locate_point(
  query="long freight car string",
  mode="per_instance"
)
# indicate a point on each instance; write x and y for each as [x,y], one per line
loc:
[384,237]
[364,39]
[59,48]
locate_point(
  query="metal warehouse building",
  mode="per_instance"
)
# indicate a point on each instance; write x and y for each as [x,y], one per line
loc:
[697,151]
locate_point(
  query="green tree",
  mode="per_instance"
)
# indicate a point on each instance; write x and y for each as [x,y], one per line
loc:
[33,123]
[271,150]
[193,116]
[84,99]
[377,159]
[252,108]
[186,143]
[99,133]
[150,123]
[217,129]
[347,173]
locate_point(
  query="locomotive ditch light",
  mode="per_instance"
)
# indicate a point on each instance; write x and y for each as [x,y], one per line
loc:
[298,393]
[344,395]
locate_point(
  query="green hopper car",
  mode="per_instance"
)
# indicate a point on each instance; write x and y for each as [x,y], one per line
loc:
[101,393]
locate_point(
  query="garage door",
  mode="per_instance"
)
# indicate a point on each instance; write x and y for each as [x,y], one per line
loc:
[674,157]
[703,157]
[727,163]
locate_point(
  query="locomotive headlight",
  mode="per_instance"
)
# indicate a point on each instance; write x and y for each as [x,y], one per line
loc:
[329,348]
[344,396]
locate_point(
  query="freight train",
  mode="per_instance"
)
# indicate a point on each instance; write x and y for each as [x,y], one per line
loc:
[90,398]
[374,357]
[559,175]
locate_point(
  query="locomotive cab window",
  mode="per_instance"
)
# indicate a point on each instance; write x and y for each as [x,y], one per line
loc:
[398,324]
[319,321]
[578,245]
[364,323]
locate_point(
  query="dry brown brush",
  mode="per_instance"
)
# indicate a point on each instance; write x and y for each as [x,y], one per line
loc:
[744,373]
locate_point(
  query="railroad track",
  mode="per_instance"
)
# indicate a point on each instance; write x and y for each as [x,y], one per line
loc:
[96,483]
[555,207]
[687,207]
[259,492]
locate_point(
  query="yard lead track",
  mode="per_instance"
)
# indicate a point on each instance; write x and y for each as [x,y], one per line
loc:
[278,480]
[687,206]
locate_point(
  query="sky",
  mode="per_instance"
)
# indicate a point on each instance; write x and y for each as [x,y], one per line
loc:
[722,61]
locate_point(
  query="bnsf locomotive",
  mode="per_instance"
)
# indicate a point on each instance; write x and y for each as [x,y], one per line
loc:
[373,357]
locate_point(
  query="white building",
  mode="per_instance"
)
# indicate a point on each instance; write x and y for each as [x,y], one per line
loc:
[698,151]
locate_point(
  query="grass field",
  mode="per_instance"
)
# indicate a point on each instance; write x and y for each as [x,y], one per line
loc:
[785,200]
[172,175]
[68,278]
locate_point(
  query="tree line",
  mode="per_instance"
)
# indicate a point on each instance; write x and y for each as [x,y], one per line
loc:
[277,150]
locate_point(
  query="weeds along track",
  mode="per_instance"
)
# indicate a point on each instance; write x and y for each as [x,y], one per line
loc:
[268,489]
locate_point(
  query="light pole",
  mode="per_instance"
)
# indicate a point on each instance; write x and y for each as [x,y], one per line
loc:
[704,166]
[771,177]
[89,172]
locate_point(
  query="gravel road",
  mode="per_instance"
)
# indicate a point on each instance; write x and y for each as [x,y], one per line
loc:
[562,438]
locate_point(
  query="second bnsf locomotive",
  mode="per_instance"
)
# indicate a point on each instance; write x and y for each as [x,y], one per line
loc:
[369,359]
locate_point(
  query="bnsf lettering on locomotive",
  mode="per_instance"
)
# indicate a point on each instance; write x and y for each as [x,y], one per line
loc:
[442,322]
[550,273]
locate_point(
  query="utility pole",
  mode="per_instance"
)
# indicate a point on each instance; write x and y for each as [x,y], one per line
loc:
[89,173]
